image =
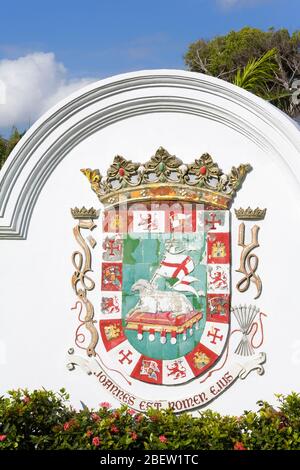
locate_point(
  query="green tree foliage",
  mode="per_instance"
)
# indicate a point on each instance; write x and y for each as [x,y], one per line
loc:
[256,73]
[7,145]
[264,62]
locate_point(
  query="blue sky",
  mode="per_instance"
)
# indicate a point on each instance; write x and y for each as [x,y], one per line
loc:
[106,37]
[91,39]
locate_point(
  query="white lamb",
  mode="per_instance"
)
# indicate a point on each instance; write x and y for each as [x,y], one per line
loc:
[155,301]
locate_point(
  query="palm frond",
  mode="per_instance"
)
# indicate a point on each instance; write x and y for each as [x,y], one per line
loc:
[257,73]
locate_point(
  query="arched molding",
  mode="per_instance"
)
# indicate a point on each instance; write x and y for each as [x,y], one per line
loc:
[108,101]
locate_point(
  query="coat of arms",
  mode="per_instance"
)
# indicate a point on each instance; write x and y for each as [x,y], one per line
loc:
[161,309]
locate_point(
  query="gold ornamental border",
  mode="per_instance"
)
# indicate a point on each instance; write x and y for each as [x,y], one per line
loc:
[167,192]
[82,282]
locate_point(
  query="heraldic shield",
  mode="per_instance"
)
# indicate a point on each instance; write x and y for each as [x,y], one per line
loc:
[164,292]
[165,288]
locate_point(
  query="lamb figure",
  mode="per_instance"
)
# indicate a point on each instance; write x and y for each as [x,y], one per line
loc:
[156,301]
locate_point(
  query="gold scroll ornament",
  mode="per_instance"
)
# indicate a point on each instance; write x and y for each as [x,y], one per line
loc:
[248,261]
[81,282]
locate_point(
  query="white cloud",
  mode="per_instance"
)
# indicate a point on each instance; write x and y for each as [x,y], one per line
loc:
[32,84]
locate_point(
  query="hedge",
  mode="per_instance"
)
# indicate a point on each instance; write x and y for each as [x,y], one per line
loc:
[44,420]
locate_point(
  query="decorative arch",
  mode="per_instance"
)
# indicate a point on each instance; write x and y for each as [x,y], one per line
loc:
[111,100]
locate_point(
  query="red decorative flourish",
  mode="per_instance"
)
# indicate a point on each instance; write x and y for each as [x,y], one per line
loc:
[255,327]
[113,370]
[225,360]
[79,337]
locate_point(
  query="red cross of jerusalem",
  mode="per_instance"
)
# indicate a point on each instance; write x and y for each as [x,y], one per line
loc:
[112,246]
[179,266]
[214,333]
[213,221]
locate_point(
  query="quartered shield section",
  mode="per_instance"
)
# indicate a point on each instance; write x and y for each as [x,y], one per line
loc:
[165,289]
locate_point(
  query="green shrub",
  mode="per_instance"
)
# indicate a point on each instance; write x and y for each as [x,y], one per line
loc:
[44,420]
[27,420]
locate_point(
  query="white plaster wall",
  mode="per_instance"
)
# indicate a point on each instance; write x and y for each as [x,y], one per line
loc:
[36,322]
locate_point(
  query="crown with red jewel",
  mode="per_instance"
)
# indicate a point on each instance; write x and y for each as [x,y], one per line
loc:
[166,177]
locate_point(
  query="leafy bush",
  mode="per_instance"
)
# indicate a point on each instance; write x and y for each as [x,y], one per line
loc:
[26,419]
[44,420]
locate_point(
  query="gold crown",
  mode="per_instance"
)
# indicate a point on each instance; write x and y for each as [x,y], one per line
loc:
[250,214]
[165,177]
[84,213]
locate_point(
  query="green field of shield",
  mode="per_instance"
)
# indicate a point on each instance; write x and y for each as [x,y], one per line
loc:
[142,255]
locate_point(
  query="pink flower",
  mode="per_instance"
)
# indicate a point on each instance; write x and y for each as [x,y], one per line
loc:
[163,439]
[131,412]
[239,446]
[114,429]
[133,436]
[96,441]
[26,400]
[95,417]
[105,404]
[154,418]
[139,418]
[89,433]
[2,437]
[67,426]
